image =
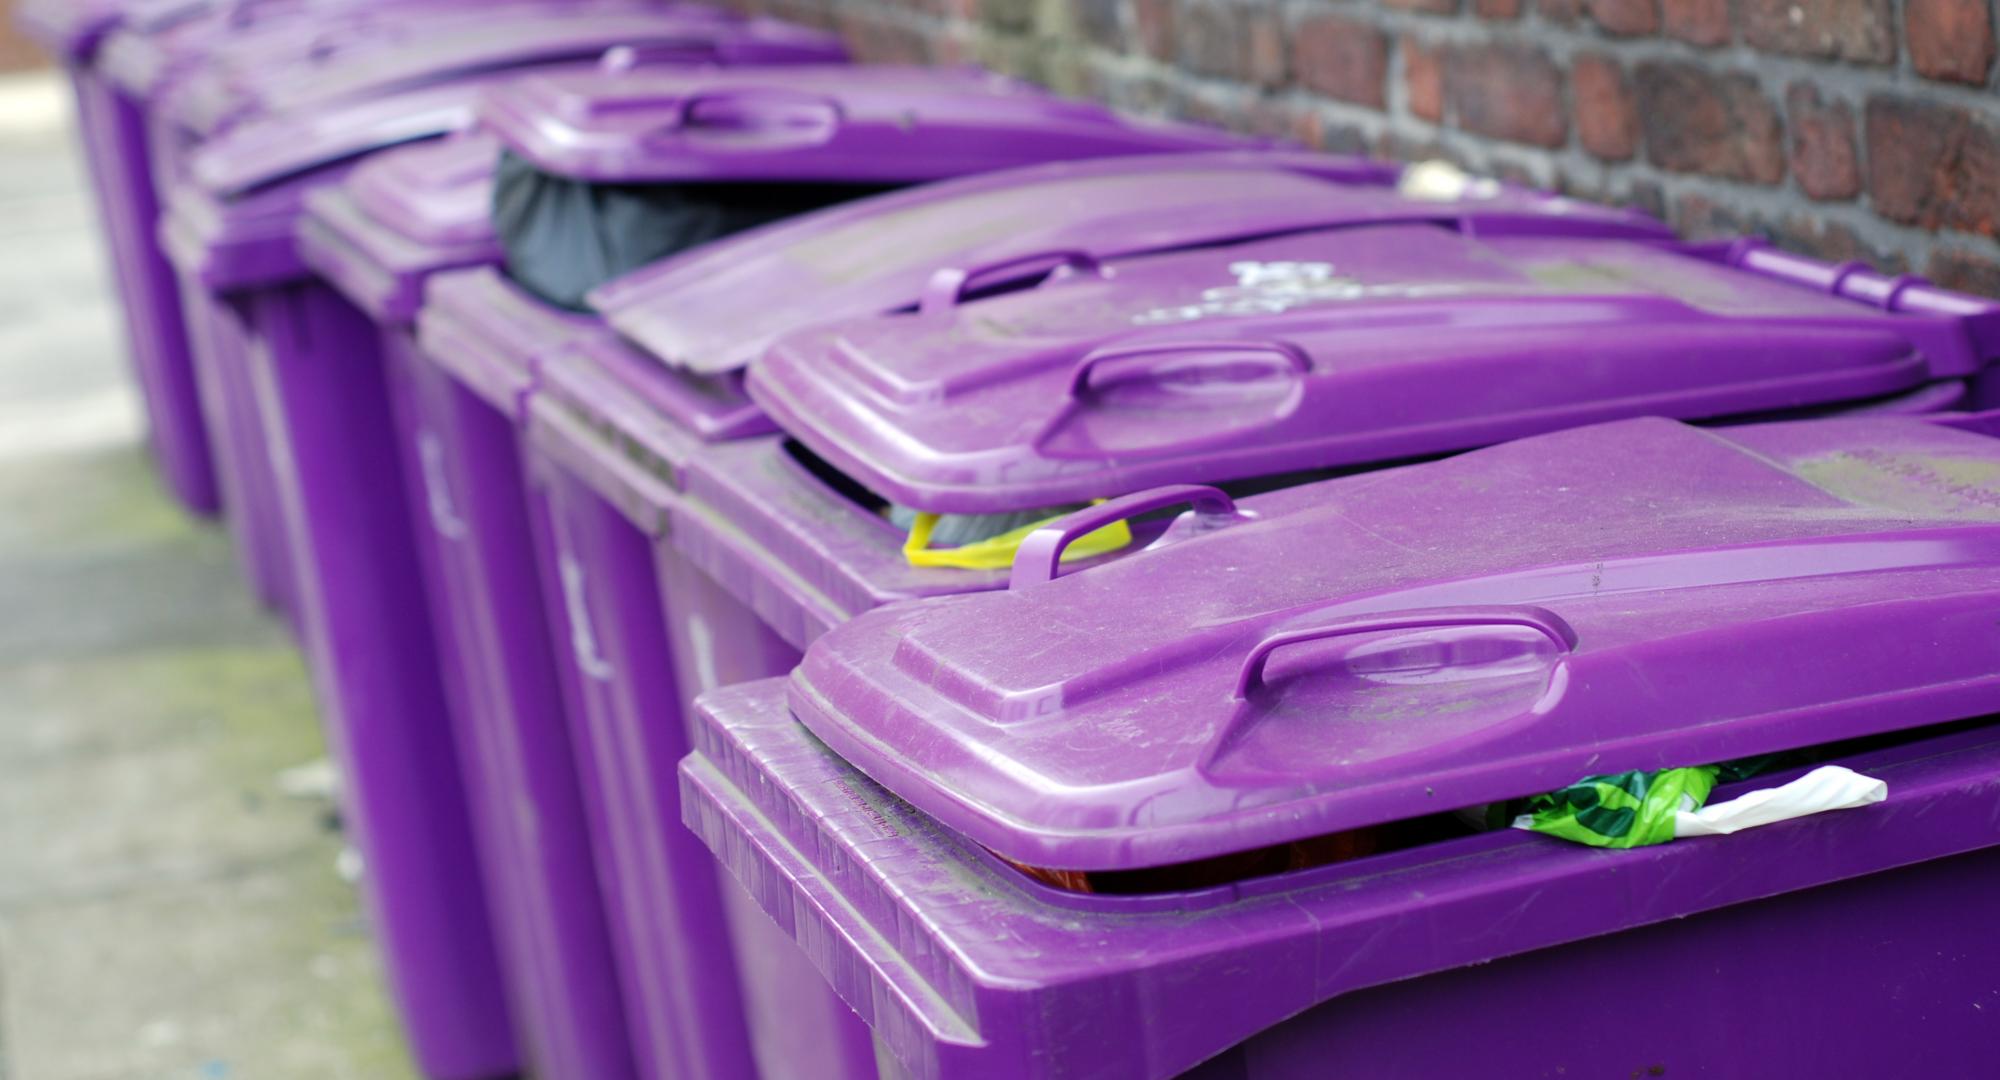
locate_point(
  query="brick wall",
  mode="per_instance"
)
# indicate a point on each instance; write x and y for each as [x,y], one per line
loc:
[17,53]
[1845,128]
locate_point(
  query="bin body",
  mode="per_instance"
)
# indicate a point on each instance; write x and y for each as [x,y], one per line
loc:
[156,331]
[1787,967]
[109,127]
[461,476]
[307,396]
[362,594]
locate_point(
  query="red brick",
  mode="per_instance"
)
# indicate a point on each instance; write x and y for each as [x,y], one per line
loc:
[1423,80]
[1964,271]
[1155,22]
[17,51]
[1507,92]
[1626,17]
[1933,166]
[1498,9]
[1266,63]
[1342,59]
[1950,39]
[1824,158]
[1434,7]
[1698,121]
[1607,114]
[1699,22]
[1563,12]
[1860,30]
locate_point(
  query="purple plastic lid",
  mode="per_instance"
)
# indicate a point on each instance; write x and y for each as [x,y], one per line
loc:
[236,220]
[231,243]
[272,149]
[385,55]
[711,310]
[1414,640]
[819,123]
[438,193]
[1338,347]
[403,215]
[156,44]
[493,337]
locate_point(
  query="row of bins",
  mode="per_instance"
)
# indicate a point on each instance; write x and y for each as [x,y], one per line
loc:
[837,571]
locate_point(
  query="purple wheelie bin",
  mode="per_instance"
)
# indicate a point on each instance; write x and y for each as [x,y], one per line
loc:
[358,603]
[808,138]
[1190,812]
[379,54]
[401,217]
[377,239]
[152,46]
[1338,348]
[112,135]
[141,133]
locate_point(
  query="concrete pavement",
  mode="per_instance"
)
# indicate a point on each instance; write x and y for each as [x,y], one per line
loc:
[165,911]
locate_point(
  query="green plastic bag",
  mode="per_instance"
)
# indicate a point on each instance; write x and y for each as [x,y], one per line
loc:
[1630,809]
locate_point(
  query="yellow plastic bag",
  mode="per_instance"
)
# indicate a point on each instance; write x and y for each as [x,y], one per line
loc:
[997,552]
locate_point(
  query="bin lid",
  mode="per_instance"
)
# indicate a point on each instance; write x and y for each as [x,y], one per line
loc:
[1336,347]
[273,149]
[236,218]
[820,123]
[156,43]
[382,55]
[437,193]
[712,310]
[1634,595]
[401,216]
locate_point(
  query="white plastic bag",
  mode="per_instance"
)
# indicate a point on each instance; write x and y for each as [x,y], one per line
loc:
[1829,787]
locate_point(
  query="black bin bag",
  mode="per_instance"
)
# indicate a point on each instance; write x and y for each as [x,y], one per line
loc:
[562,236]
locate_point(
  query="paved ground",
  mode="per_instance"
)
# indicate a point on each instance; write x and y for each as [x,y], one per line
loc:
[165,911]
